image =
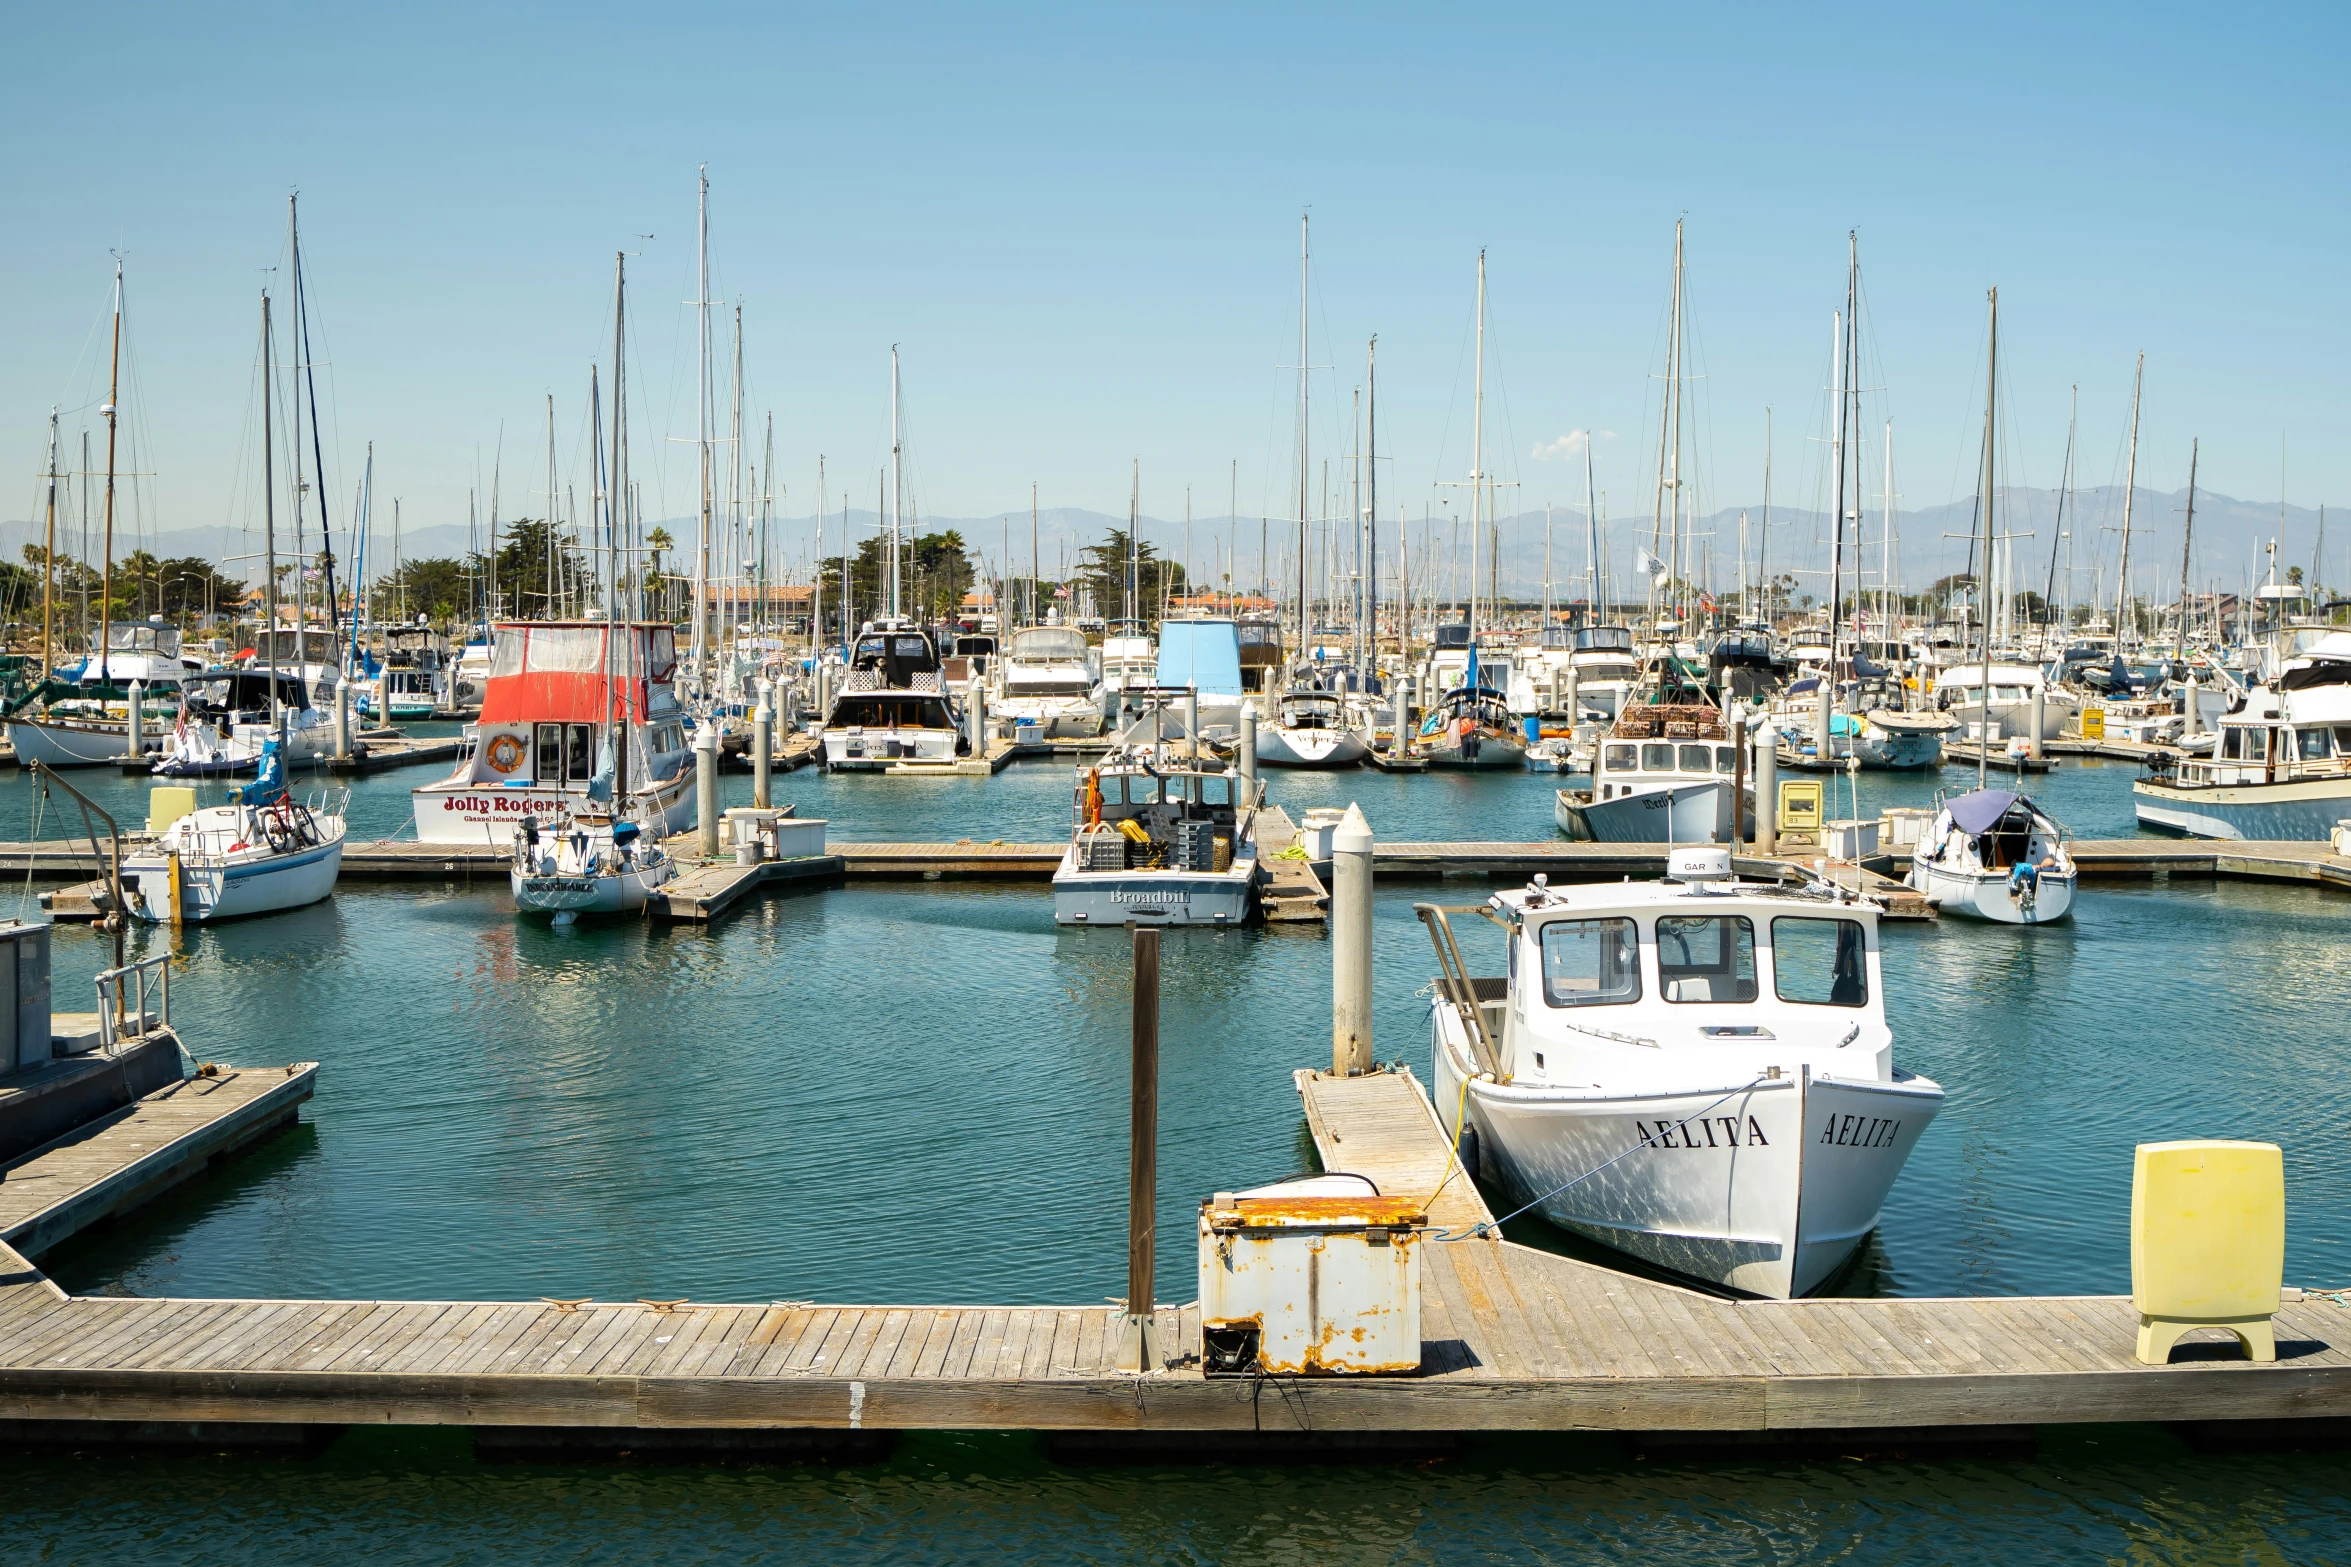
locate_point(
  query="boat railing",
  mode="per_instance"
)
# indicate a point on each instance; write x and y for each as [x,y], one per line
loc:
[122,1000]
[1454,983]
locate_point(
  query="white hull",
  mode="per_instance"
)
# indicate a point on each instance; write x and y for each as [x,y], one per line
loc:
[2302,810]
[1766,1189]
[472,813]
[620,892]
[1145,897]
[1986,895]
[252,883]
[878,750]
[70,743]
[1679,813]
[1488,751]
[200,752]
[1057,717]
[1279,747]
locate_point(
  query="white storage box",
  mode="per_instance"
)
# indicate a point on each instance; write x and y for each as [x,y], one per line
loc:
[1856,840]
[797,837]
[1314,1276]
[1902,826]
[1315,834]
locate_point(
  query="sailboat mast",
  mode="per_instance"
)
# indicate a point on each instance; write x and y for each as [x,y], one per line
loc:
[1371,514]
[49,553]
[1988,488]
[1477,473]
[1886,546]
[2130,485]
[1674,475]
[1032,552]
[1837,491]
[269,521]
[112,412]
[1305,397]
[616,493]
[1591,541]
[897,481]
[2064,486]
[2188,543]
[705,418]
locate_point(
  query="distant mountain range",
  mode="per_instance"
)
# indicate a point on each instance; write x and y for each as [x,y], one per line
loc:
[2231,538]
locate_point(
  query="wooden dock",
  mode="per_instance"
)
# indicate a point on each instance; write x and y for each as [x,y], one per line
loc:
[707,890]
[120,1160]
[1513,1339]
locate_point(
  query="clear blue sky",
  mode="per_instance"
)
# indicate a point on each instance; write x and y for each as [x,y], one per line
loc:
[1081,226]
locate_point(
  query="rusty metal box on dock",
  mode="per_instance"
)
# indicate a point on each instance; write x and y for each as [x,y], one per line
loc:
[1313,1276]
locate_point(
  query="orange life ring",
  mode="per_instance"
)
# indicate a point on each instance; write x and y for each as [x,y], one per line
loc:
[506,753]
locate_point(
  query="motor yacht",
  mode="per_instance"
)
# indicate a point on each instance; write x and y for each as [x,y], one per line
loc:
[2281,766]
[893,705]
[1046,676]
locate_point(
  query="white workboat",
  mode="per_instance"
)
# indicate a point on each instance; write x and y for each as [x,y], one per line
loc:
[586,864]
[893,706]
[1158,837]
[1665,774]
[544,729]
[1045,677]
[1310,729]
[261,852]
[1997,856]
[1697,1073]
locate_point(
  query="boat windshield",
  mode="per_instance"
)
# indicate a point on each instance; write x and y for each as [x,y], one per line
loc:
[1042,643]
[1706,957]
[136,637]
[1819,962]
[1589,963]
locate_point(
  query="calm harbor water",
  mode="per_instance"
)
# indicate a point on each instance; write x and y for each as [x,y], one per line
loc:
[917,1092]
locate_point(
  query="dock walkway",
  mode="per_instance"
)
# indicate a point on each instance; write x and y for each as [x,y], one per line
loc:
[1513,1339]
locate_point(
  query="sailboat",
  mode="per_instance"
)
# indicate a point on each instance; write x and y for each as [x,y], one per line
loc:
[1990,853]
[262,851]
[591,856]
[84,718]
[1471,725]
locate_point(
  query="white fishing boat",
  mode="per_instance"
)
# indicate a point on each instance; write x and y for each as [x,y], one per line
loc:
[1995,855]
[1664,774]
[1045,676]
[261,852]
[893,705]
[1310,729]
[1158,837]
[1697,1072]
[544,727]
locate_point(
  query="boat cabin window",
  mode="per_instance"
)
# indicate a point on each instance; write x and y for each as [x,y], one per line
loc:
[1619,759]
[1819,962]
[565,751]
[2231,741]
[1726,759]
[1657,758]
[2256,745]
[2343,740]
[2314,745]
[1706,957]
[1589,963]
[1697,758]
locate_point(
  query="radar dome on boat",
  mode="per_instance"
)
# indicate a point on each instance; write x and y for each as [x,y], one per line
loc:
[1702,864]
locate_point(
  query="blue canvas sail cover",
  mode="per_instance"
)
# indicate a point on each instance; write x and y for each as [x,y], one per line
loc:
[270,786]
[600,785]
[1206,653]
[1976,812]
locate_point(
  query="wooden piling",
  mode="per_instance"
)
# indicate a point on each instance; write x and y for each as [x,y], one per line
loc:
[1142,1156]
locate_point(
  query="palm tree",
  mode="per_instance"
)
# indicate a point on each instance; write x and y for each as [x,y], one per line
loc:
[657,541]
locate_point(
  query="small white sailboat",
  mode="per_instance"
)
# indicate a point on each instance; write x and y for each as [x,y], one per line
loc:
[586,864]
[261,852]
[1310,729]
[1698,1073]
[1995,855]
[230,716]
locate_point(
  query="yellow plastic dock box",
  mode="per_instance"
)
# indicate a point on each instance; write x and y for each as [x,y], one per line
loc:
[2208,1243]
[2093,723]
[167,803]
[1799,805]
